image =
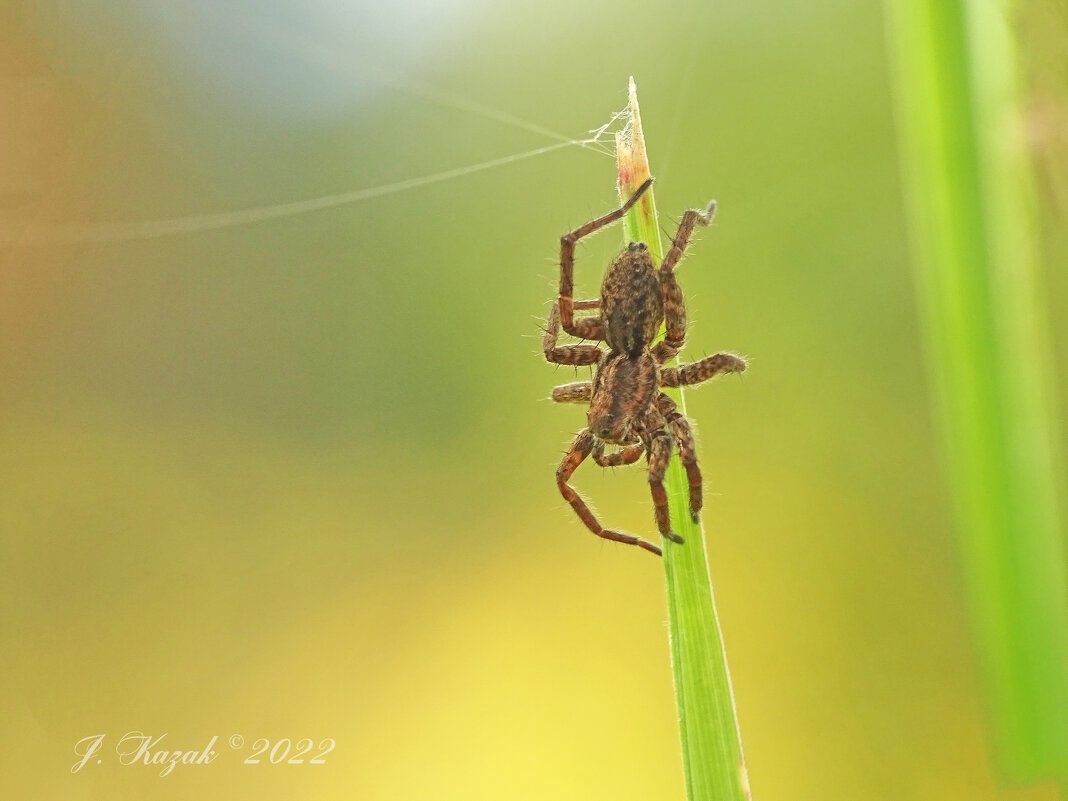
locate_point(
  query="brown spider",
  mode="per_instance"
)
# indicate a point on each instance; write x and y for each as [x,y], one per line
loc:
[627,407]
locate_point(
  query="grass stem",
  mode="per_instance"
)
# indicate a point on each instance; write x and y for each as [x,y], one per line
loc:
[968,192]
[713,762]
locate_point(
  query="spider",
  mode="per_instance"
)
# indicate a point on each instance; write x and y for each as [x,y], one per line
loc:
[627,408]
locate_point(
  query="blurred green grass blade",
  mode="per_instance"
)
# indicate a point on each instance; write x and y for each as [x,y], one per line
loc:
[968,191]
[712,756]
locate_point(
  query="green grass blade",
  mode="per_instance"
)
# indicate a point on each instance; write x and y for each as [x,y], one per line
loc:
[969,197]
[711,742]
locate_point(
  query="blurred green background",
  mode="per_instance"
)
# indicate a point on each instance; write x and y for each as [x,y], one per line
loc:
[295,478]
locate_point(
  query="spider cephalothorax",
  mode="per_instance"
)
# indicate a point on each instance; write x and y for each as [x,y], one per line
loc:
[627,408]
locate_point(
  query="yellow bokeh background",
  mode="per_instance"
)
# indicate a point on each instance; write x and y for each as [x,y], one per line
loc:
[294,478]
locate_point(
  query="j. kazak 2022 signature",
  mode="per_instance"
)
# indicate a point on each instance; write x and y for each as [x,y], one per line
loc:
[138,748]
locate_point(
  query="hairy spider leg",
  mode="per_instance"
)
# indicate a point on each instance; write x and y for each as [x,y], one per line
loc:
[586,327]
[696,372]
[576,392]
[577,355]
[658,449]
[690,219]
[624,456]
[674,318]
[674,302]
[680,428]
[576,454]
[553,322]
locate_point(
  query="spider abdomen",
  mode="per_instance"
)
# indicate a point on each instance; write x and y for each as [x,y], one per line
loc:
[624,388]
[632,304]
